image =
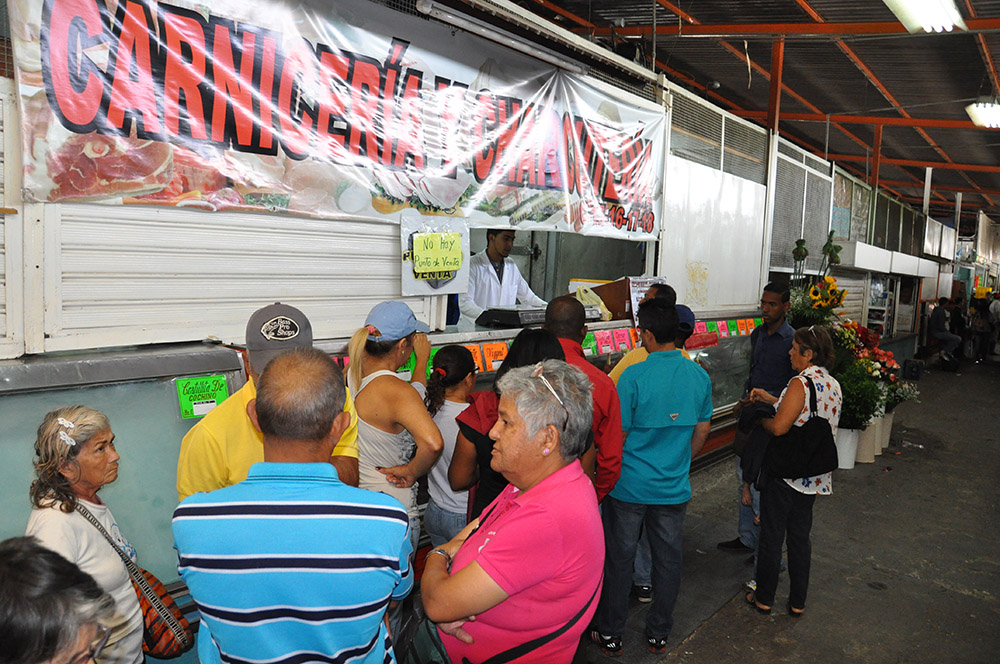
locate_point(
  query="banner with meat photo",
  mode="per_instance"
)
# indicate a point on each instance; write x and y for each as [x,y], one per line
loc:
[332,110]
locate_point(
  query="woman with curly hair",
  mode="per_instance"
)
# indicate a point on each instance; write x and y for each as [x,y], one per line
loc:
[74,457]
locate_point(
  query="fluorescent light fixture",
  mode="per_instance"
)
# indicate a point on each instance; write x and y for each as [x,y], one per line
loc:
[927,15]
[985,113]
[487,31]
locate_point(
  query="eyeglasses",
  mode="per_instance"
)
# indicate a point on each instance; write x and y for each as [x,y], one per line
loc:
[94,651]
[537,373]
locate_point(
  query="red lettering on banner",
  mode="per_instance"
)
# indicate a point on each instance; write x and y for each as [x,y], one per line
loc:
[550,162]
[332,111]
[571,167]
[409,149]
[299,82]
[269,62]
[130,68]
[233,103]
[364,80]
[483,127]
[449,105]
[183,32]
[74,85]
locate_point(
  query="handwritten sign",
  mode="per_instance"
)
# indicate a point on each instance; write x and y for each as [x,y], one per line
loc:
[200,394]
[723,329]
[589,345]
[733,329]
[621,338]
[751,325]
[711,326]
[605,341]
[436,252]
[477,355]
[742,325]
[757,322]
[634,333]
[700,327]
[494,354]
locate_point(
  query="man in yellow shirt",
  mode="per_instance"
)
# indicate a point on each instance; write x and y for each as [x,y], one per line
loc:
[219,450]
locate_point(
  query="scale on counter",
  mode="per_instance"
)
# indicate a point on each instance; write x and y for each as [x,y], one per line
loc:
[521,316]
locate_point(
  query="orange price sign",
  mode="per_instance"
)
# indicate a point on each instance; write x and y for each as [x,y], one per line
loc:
[493,354]
[477,356]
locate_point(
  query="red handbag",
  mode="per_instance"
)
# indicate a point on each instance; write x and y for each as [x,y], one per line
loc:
[166,632]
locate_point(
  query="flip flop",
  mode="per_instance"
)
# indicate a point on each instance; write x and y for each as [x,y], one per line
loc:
[751,599]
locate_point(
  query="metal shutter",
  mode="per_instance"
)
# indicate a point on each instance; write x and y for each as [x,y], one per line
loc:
[816,219]
[130,274]
[861,206]
[892,226]
[906,231]
[745,151]
[856,284]
[695,131]
[802,206]
[881,221]
[786,226]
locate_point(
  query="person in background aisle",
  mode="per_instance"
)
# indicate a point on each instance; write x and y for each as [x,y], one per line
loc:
[939,328]
[494,280]
[770,370]
[995,322]
[50,611]
[529,569]
[786,504]
[453,375]
[565,317]
[663,292]
[291,564]
[398,441]
[74,457]
[474,447]
[219,450]
[666,413]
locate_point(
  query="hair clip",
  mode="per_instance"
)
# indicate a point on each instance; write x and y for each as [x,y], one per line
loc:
[373,331]
[63,422]
[440,371]
[65,437]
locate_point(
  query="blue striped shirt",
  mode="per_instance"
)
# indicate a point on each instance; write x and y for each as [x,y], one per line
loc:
[292,565]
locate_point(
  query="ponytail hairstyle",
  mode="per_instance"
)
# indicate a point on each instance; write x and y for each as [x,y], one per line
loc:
[450,367]
[360,345]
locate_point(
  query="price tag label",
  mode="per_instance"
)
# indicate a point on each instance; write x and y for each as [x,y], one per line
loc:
[494,354]
[605,341]
[477,355]
[200,394]
[700,327]
[621,338]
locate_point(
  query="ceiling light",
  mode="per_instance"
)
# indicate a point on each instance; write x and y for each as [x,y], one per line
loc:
[985,113]
[927,15]
[483,29]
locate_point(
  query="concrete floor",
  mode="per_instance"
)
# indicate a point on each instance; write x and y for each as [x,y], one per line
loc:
[905,564]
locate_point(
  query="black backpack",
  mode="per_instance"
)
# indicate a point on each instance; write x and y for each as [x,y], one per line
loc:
[804,451]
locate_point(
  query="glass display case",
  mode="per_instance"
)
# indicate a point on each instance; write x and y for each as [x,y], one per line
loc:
[881,305]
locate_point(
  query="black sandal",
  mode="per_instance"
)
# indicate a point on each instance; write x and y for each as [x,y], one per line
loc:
[751,599]
[795,613]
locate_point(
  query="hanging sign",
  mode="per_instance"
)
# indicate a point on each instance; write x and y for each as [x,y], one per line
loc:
[200,394]
[345,109]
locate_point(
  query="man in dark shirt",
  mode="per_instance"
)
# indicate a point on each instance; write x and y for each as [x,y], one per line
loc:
[939,327]
[770,369]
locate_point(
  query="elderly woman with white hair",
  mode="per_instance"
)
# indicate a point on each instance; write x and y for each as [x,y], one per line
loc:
[523,580]
[75,457]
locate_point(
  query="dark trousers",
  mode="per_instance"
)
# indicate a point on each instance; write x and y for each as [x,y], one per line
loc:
[784,513]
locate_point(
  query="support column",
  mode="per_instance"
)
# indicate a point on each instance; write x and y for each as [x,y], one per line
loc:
[927,189]
[774,99]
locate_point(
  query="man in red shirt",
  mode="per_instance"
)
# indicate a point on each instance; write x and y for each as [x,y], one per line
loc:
[565,318]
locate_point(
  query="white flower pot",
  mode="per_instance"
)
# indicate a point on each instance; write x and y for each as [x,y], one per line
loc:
[868,440]
[847,447]
[877,425]
[887,429]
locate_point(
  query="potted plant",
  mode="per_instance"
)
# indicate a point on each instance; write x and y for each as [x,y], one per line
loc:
[862,399]
[897,393]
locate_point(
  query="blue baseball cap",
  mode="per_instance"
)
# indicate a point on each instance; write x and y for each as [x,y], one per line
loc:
[686,317]
[392,320]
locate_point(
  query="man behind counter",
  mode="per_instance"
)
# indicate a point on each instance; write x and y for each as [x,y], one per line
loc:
[494,280]
[219,450]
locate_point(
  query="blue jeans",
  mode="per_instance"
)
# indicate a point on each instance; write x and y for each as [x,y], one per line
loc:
[442,525]
[642,574]
[664,525]
[748,530]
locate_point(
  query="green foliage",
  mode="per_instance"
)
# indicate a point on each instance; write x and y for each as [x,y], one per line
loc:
[862,395]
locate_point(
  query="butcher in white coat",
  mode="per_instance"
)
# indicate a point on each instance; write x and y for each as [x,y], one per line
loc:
[494,280]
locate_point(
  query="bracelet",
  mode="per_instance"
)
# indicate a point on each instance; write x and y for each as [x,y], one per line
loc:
[440,552]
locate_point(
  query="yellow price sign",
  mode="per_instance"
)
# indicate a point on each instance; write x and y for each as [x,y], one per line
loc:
[437,252]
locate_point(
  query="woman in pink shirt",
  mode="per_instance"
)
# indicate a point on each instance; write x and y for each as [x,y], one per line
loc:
[523,580]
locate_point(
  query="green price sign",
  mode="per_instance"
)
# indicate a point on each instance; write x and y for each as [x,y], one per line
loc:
[200,394]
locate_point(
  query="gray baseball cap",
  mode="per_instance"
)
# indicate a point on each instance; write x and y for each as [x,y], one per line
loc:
[275,329]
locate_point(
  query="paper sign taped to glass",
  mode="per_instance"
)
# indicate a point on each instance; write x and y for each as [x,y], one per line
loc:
[351,111]
[435,253]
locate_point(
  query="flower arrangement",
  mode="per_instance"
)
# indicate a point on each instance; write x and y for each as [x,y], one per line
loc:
[900,392]
[813,303]
[862,396]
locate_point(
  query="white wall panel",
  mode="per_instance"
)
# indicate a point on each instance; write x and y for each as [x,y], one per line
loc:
[118,275]
[11,314]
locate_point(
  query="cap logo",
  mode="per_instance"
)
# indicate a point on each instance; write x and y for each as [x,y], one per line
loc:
[280,328]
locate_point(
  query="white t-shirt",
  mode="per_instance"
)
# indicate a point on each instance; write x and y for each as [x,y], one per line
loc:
[77,540]
[438,486]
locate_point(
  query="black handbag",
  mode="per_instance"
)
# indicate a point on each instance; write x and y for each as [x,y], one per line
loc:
[804,451]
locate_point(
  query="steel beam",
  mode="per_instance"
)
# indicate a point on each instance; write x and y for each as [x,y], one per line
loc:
[804,29]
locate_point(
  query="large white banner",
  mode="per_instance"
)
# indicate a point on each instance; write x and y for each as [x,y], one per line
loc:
[346,110]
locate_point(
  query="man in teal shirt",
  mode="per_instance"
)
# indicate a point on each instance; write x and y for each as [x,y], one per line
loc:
[666,406]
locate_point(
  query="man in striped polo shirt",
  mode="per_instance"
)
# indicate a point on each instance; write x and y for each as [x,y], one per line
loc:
[291,564]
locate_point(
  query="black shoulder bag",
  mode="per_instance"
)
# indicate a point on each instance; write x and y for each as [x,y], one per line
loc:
[804,451]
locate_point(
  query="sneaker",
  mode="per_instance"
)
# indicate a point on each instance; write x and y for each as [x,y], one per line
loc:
[610,645]
[644,593]
[656,644]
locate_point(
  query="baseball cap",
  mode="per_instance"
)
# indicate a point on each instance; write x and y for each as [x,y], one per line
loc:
[275,329]
[393,320]
[686,317]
